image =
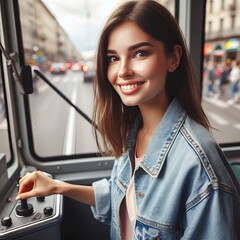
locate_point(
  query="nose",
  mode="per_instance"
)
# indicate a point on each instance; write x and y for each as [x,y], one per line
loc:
[125,70]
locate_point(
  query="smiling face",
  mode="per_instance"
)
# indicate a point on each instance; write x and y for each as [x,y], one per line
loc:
[138,66]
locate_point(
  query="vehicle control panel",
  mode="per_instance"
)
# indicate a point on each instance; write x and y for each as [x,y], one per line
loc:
[35,218]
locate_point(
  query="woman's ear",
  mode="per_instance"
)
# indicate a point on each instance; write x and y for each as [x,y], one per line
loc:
[175,58]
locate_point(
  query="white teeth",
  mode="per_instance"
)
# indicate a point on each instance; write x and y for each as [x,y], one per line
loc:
[129,87]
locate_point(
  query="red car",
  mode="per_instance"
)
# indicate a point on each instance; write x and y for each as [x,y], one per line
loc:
[57,68]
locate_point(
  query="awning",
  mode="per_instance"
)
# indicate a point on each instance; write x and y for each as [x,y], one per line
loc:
[232,45]
[218,50]
[207,49]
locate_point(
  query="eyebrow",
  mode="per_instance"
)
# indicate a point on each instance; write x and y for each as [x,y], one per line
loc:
[133,47]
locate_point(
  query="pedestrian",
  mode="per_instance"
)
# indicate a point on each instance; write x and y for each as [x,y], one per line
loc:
[211,77]
[224,78]
[170,179]
[234,80]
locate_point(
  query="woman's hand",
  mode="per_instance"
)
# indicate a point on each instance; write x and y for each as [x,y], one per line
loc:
[36,184]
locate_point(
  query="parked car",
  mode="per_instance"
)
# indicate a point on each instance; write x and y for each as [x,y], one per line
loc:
[58,68]
[88,73]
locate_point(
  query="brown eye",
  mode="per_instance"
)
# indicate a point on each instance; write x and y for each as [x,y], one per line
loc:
[112,59]
[141,53]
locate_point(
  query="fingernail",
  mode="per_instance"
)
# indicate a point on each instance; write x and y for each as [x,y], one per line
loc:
[17,197]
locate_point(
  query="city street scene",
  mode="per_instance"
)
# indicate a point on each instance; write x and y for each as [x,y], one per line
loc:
[60,39]
[221,69]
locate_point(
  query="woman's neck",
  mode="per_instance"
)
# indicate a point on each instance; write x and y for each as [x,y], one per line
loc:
[152,115]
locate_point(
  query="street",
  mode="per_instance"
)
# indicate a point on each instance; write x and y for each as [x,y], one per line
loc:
[58,129]
[224,118]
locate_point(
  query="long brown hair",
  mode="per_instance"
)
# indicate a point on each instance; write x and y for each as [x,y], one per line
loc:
[113,118]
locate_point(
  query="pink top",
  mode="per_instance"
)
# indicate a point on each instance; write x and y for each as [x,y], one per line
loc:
[128,208]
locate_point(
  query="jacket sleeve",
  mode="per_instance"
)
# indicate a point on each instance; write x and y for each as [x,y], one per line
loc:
[102,209]
[217,216]
[102,193]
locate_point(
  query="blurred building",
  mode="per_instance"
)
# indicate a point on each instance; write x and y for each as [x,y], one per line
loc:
[222,30]
[44,39]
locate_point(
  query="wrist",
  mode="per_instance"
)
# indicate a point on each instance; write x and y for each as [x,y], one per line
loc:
[59,187]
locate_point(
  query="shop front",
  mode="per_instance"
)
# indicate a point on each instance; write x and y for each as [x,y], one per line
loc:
[232,49]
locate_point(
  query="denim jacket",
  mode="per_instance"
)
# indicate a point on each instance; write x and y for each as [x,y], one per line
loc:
[184,187]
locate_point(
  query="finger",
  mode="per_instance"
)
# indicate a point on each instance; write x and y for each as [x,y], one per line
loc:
[26,184]
[24,177]
[25,195]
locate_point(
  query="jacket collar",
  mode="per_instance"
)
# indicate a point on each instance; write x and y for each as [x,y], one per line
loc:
[162,140]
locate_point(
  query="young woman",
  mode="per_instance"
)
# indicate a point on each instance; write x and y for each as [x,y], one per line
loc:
[171,179]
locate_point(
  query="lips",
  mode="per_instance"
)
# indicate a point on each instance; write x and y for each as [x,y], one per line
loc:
[130,88]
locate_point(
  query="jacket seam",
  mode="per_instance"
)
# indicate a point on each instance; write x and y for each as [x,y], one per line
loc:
[156,225]
[199,198]
[121,186]
[215,186]
[200,153]
[207,166]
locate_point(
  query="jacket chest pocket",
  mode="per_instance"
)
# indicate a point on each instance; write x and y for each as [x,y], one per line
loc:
[144,231]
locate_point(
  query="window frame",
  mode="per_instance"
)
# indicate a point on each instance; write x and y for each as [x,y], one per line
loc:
[8,37]
[28,131]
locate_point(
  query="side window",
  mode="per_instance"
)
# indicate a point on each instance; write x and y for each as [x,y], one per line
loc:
[60,40]
[221,77]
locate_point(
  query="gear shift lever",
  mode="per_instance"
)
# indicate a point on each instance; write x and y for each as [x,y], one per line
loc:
[24,209]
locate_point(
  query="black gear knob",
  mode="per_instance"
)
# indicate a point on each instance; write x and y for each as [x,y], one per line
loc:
[24,209]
